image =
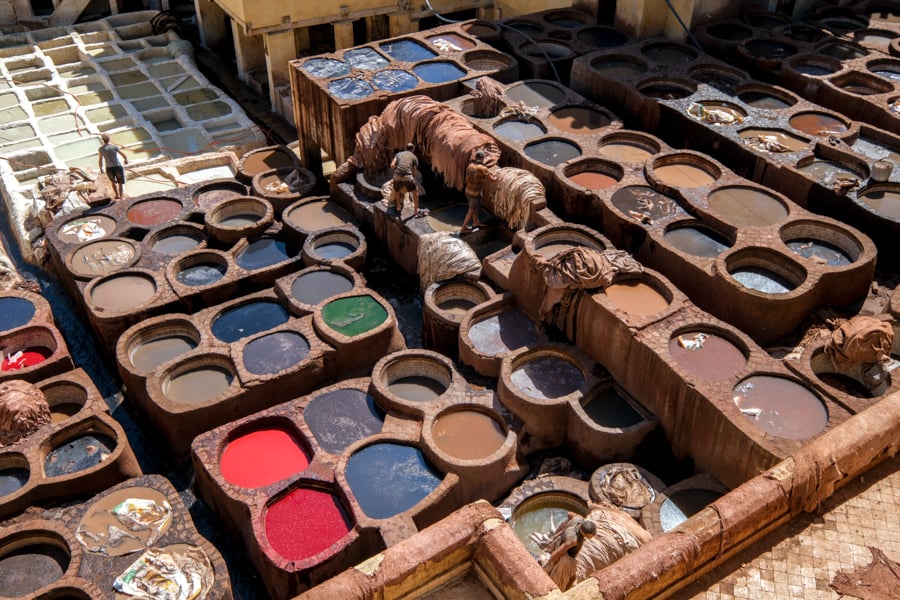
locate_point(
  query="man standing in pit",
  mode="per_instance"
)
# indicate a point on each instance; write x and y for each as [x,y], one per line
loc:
[405,165]
[476,173]
[109,152]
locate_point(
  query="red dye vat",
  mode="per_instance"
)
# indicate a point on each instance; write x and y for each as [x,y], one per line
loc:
[262,457]
[25,358]
[305,522]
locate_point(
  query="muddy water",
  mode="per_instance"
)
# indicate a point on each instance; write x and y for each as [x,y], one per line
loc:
[101,257]
[680,506]
[354,315]
[547,377]
[198,386]
[388,479]
[820,252]
[885,202]
[541,513]
[593,180]
[104,531]
[552,249]
[305,522]
[683,175]
[827,171]
[177,243]
[85,229]
[15,312]
[609,409]
[29,568]
[468,434]
[747,207]
[79,454]
[149,355]
[154,212]
[248,319]
[792,142]
[519,131]
[762,280]
[578,120]
[262,457]
[552,152]
[764,101]
[12,479]
[635,298]
[626,151]
[707,355]
[61,412]
[319,214]
[456,306]
[465,587]
[275,352]
[505,331]
[417,388]
[818,124]
[262,253]
[209,199]
[342,417]
[542,95]
[122,293]
[785,408]
[316,286]
[697,241]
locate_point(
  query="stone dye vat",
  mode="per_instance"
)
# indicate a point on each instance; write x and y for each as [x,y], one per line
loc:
[239,217]
[677,503]
[343,244]
[310,287]
[73,555]
[493,330]
[310,215]
[335,94]
[445,305]
[375,483]
[31,348]
[264,159]
[81,450]
[283,186]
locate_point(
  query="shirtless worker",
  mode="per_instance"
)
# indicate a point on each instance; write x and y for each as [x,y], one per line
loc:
[114,169]
[405,165]
[476,173]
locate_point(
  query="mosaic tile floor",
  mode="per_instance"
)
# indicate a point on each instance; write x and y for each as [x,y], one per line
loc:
[801,559]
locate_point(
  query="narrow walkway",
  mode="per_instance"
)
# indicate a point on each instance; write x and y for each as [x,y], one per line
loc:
[801,559]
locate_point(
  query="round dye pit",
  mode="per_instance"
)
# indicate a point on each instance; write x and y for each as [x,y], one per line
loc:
[503,332]
[262,457]
[79,454]
[305,522]
[747,207]
[438,72]
[197,386]
[407,51]
[536,93]
[149,355]
[762,280]
[773,140]
[519,131]
[552,152]
[764,101]
[263,253]
[636,298]
[842,51]
[317,214]
[820,252]
[669,54]
[122,293]
[350,88]
[781,407]
[626,150]
[551,249]
[29,568]
[542,513]
[240,220]
[697,241]
[456,306]
[365,59]
[818,124]
[813,68]
[845,384]
[316,286]
[578,119]
[86,229]
[12,480]
[266,159]
[827,172]
[706,355]
[275,352]
[101,257]
[334,250]
[417,388]
[388,479]
[325,68]
[619,68]
[23,358]
[210,197]
[680,506]
[248,319]
[547,377]
[110,528]
[340,418]
[201,274]
[154,212]
[885,200]
[769,49]
[608,408]
[450,42]
[468,434]
[354,315]
[568,20]
[394,80]
[15,312]
[683,175]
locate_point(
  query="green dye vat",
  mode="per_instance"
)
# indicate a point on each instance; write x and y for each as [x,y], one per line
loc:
[12,114]
[148,184]
[208,110]
[169,69]
[76,149]
[187,141]
[354,315]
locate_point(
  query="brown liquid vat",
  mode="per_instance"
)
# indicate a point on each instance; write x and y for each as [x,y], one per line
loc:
[265,159]
[239,217]
[171,240]
[309,215]
[682,170]
[444,307]
[100,257]
[208,195]
[273,186]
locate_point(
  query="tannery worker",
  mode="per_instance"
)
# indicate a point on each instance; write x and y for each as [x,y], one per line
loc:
[405,165]
[476,172]
[109,153]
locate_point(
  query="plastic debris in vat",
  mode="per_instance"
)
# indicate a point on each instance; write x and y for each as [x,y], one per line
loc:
[179,572]
[714,115]
[142,521]
[692,343]
[84,230]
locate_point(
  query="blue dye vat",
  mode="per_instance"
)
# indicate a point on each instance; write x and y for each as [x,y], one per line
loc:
[394,80]
[14,479]
[388,479]
[263,252]
[248,319]
[203,274]
[78,455]
[15,312]
[438,72]
[350,88]
[407,51]
[342,417]
[275,352]
[365,59]
[325,68]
